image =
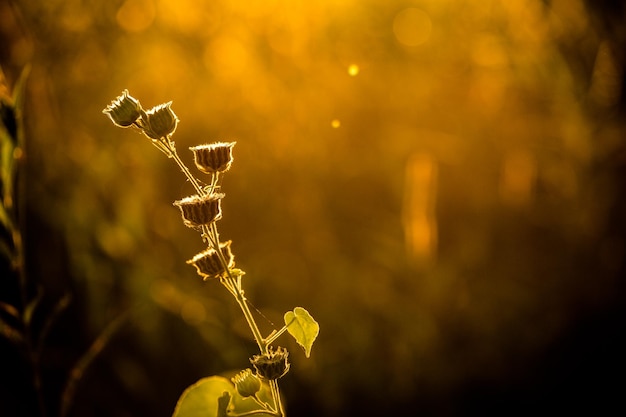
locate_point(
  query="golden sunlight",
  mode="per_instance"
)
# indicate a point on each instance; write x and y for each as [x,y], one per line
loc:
[412,26]
[420,223]
[440,182]
[136,15]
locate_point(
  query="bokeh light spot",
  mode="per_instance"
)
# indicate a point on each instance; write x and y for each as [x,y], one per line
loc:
[136,15]
[335,123]
[412,26]
[353,70]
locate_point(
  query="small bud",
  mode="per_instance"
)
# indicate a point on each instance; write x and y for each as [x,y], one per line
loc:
[208,262]
[247,383]
[160,121]
[272,365]
[124,110]
[214,157]
[198,211]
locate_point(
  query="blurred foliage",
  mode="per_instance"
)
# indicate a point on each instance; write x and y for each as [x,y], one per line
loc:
[440,182]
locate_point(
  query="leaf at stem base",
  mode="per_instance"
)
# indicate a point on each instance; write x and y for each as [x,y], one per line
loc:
[202,399]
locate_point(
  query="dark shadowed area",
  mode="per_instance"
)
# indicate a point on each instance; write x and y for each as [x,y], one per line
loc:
[441,183]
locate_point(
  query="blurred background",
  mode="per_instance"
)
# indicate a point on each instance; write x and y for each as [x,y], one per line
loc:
[441,183]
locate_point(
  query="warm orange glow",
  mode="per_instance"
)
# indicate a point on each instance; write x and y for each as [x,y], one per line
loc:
[227,56]
[606,82]
[441,182]
[420,223]
[518,178]
[412,26]
[136,15]
[488,51]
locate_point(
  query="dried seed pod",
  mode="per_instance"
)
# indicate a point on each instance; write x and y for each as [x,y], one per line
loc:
[200,210]
[247,383]
[272,365]
[213,157]
[160,121]
[208,263]
[124,110]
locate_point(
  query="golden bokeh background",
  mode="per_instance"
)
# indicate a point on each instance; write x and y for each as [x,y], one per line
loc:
[439,182]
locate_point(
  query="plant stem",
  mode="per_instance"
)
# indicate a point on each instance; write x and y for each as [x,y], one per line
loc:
[241,300]
[276,394]
[265,405]
[232,284]
[174,155]
[275,335]
[213,237]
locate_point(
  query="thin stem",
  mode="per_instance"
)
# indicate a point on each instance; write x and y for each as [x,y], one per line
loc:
[228,286]
[275,335]
[216,240]
[183,167]
[232,284]
[241,300]
[159,144]
[214,181]
[210,239]
[261,403]
[276,395]
[213,236]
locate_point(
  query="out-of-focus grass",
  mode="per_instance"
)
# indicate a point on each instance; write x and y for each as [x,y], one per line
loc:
[438,182]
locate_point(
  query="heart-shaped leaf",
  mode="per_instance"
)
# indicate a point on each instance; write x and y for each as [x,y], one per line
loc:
[303,327]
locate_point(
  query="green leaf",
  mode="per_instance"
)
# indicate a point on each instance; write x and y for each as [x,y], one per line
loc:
[302,327]
[201,398]
[206,398]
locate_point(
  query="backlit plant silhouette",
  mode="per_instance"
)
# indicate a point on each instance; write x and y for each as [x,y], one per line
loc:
[250,392]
